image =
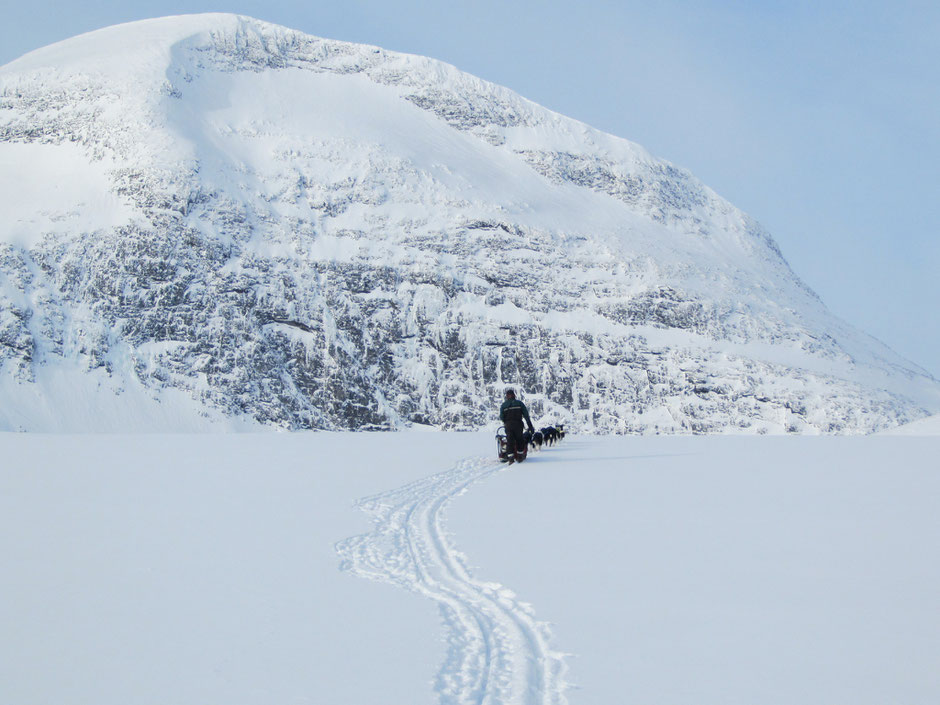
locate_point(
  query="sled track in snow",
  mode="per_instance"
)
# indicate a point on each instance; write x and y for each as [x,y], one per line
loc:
[498,653]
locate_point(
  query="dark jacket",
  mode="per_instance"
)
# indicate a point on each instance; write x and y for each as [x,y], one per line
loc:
[512,412]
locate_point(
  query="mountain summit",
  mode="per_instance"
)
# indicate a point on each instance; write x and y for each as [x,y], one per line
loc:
[259,224]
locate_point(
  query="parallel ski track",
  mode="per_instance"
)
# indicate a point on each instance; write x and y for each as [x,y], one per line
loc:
[498,654]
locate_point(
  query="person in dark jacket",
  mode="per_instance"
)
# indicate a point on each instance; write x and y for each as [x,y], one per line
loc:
[512,413]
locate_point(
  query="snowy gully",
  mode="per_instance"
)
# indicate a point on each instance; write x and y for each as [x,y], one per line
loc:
[497,652]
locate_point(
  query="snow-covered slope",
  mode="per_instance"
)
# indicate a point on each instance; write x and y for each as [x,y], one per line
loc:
[319,234]
[928,426]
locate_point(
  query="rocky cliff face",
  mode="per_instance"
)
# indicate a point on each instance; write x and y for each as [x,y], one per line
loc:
[324,235]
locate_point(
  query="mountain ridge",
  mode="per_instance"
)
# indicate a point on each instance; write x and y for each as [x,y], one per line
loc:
[377,239]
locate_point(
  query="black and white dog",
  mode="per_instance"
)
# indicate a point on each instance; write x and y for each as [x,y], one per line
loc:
[536,440]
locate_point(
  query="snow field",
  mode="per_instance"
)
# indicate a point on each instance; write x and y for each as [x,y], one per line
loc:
[498,653]
[724,571]
[201,569]
[227,568]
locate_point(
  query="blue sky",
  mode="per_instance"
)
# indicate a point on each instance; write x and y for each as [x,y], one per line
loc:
[821,120]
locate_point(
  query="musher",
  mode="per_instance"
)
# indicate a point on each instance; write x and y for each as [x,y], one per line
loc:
[511,413]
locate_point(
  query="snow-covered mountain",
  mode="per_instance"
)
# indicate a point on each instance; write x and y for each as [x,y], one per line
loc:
[305,233]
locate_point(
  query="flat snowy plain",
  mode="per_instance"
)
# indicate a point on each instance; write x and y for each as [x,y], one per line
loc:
[229,568]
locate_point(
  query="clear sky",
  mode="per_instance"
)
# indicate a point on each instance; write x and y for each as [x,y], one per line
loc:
[820,119]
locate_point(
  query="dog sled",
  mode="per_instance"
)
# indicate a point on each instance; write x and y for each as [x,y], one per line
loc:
[547,436]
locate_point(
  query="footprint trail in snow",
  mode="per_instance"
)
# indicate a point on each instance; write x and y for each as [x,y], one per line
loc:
[498,653]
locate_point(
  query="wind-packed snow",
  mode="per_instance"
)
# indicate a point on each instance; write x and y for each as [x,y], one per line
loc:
[316,234]
[361,568]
